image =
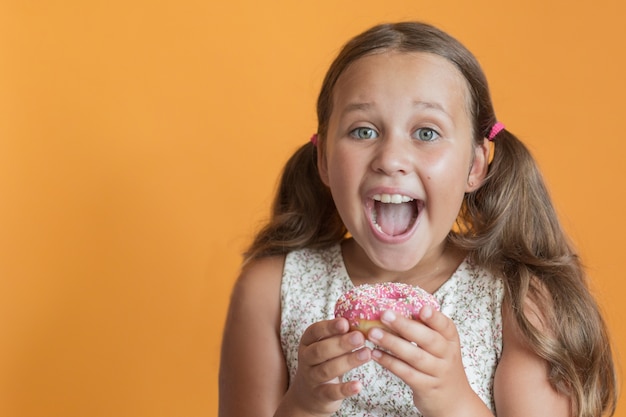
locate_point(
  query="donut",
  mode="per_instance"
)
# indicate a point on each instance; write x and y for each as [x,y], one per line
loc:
[363,305]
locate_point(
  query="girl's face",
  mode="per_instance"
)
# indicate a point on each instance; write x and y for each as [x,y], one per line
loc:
[399,157]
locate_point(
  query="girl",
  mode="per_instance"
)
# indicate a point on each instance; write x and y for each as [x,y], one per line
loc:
[399,184]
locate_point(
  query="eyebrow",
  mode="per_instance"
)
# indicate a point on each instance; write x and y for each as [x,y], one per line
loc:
[367,105]
[356,107]
[431,105]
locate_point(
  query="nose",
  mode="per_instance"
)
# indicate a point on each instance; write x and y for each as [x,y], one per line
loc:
[393,155]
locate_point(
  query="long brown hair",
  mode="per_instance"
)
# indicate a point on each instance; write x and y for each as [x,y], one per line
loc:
[509,225]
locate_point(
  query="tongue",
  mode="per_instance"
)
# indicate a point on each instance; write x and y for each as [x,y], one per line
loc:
[395,219]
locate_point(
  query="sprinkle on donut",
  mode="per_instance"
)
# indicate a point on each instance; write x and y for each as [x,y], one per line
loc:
[367,302]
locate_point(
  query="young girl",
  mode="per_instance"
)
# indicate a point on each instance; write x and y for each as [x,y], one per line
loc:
[400,183]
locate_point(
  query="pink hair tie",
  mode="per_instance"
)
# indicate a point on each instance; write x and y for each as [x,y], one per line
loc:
[497,128]
[314,139]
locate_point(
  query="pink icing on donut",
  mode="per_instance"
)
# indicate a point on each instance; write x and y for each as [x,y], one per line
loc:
[367,302]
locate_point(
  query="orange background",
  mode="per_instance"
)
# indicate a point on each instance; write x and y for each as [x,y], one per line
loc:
[140,142]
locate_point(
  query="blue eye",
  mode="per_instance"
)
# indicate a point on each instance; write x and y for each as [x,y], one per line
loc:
[364,133]
[426,134]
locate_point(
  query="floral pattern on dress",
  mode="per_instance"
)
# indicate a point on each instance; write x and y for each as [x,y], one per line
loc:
[312,282]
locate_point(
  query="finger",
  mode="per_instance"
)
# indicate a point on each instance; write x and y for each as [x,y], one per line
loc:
[331,347]
[439,322]
[412,330]
[412,375]
[399,347]
[340,391]
[336,367]
[413,343]
[324,329]
[433,331]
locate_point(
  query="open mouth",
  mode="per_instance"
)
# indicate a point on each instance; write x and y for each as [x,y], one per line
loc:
[394,214]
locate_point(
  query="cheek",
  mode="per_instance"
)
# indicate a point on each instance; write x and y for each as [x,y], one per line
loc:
[445,181]
[451,169]
[342,167]
[339,177]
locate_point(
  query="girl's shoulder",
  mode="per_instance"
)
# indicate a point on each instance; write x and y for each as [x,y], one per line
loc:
[259,276]
[265,274]
[255,293]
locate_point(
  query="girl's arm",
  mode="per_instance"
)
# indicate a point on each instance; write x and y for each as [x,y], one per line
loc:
[253,374]
[521,386]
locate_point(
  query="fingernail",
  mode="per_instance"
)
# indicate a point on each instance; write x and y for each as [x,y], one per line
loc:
[377,354]
[356,339]
[426,312]
[388,316]
[362,354]
[340,325]
[376,334]
[355,387]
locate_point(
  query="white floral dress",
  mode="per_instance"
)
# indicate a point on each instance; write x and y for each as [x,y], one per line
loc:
[314,279]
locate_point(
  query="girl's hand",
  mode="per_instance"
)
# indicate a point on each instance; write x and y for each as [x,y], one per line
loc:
[327,351]
[426,354]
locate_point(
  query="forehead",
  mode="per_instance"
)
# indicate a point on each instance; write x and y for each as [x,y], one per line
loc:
[418,75]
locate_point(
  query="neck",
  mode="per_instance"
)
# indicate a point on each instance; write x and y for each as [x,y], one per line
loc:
[429,273]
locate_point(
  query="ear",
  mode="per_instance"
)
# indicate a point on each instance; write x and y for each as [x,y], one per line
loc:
[322,165]
[479,167]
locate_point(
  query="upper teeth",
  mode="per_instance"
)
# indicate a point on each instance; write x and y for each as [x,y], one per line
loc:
[392,198]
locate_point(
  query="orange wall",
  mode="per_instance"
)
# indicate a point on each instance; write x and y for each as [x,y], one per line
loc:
[139,146]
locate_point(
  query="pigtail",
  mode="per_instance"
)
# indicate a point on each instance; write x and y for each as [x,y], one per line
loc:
[511,213]
[510,226]
[303,211]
